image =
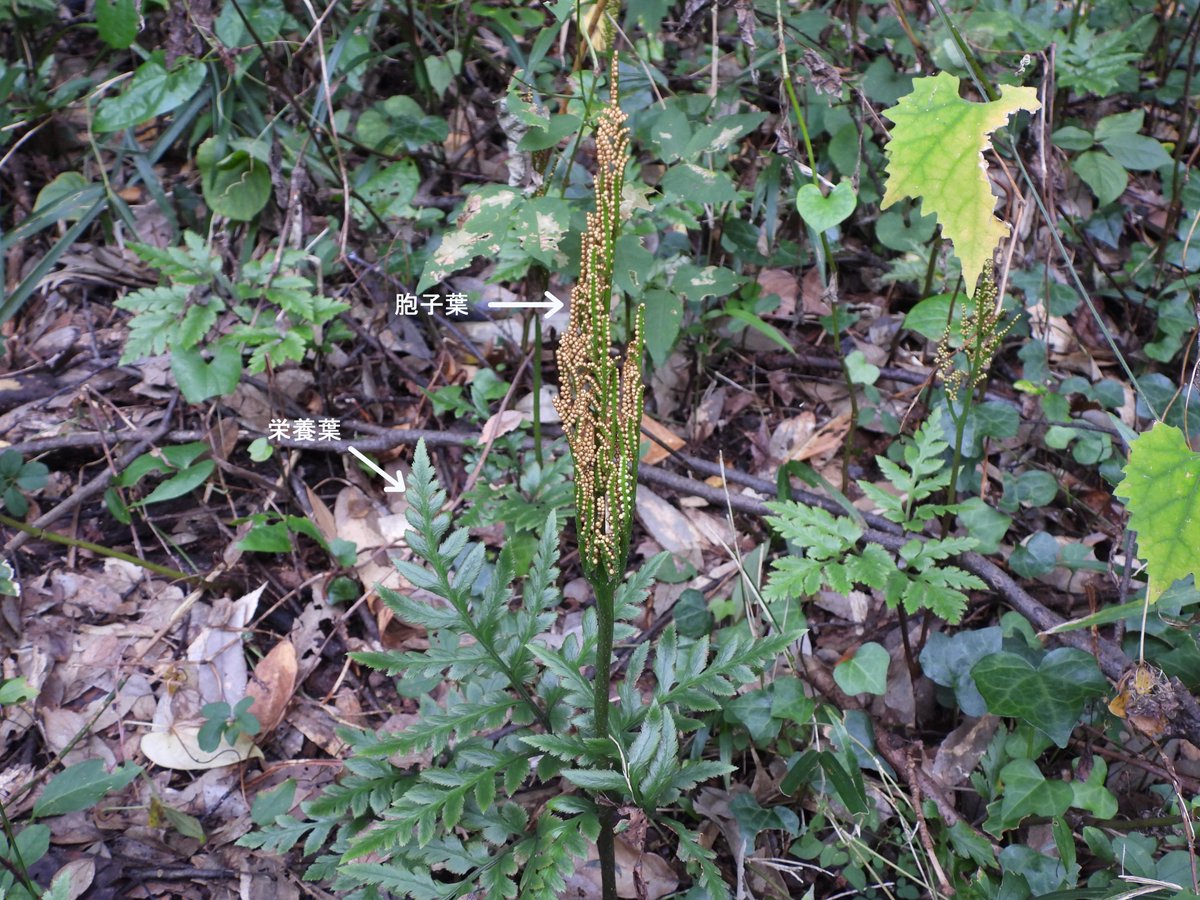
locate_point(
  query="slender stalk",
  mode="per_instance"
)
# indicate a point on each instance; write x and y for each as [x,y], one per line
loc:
[537,388]
[827,277]
[604,643]
[17,865]
[605,843]
[600,403]
[99,550]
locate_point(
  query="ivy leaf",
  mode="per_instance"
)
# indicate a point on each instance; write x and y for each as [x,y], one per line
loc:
[865,672]
[936,154]
[1162,492]
[1049,697]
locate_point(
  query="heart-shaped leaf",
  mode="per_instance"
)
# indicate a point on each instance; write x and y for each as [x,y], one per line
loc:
[1049,697]
[820,213]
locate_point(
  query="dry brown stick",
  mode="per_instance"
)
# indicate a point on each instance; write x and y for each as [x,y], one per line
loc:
[1112,660]
[99,484]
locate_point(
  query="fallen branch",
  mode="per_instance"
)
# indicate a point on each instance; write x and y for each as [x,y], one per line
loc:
[1112,660]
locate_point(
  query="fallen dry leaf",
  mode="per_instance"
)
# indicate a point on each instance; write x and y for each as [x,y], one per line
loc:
[800,439]
[76,876]
[784,285]
[272,684]
[499,424]
[179,748]
[663,438]
[670,529]
[656,877]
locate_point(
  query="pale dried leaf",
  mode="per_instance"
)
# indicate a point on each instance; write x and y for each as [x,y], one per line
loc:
[179,749]
[783,284]
[670,528]
[500,423]
[77,876]
[656,876]
[218,652]
[961,750]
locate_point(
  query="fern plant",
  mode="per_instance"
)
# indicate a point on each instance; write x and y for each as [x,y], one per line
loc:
[274,312]
[517,713]
[825,547]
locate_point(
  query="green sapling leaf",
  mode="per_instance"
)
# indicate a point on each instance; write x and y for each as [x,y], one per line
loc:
[1162,492]
[936,154]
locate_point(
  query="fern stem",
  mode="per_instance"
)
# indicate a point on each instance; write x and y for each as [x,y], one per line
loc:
[605,848]
[960,427]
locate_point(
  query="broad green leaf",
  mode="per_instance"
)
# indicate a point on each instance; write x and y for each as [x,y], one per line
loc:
[81,786]
[936,154]
[198,380]
[688,181]
[1104,175]
[1049,697]
[986,525]
[696,283]
[32,842]
[723,134]
[1162,492]
[861,371]
[820,213]
[442,69]
[117,22]
[1072,138]
[765,328]
[1119,135]
[16,690]
[664,315]
[182,483]
[1092,795]
[152,91]
[948,662]
[69,195]
[865,672]
[931,317]
[236,184]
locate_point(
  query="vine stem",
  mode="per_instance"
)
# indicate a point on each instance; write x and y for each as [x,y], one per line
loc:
[605,615]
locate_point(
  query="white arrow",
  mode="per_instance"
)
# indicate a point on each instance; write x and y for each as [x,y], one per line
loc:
[394,485]
[551,304]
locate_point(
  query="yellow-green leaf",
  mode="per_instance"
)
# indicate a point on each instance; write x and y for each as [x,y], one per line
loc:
[936,154]
[1162,492]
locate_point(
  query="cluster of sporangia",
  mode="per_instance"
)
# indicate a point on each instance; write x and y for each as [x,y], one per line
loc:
[599,402]
[982,333]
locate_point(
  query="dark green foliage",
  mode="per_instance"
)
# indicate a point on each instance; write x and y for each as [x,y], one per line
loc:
[511,698]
